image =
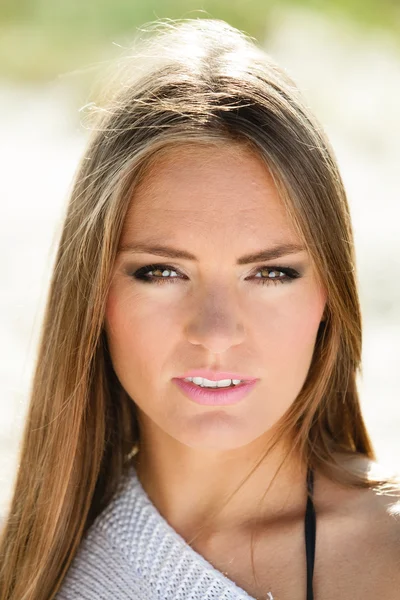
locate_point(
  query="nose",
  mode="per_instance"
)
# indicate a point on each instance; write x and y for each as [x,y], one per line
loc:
[216,323]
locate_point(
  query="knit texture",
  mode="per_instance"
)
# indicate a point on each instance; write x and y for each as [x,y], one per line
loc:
[131,552]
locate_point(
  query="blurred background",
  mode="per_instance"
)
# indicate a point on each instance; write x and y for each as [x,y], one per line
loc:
[344,55]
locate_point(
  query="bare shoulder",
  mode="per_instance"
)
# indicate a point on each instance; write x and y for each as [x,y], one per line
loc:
[358,533]
[380,504]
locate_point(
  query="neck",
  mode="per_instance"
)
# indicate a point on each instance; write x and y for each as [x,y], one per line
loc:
[222,490]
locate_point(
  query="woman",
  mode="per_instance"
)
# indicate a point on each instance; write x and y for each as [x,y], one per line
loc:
[207,243]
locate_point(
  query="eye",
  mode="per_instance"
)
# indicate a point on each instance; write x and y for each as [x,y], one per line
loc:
[160,274]
[276,275]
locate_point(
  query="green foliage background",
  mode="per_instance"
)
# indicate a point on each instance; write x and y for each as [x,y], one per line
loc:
[40,39]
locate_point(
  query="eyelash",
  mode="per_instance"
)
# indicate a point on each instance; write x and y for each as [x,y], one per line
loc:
[142,274]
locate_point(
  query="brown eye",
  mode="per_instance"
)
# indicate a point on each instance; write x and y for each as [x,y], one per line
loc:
[157,273]
[276,275]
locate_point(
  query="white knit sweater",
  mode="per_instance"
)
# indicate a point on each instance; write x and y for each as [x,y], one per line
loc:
[131,552]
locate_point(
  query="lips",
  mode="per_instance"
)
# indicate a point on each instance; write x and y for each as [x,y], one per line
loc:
[214,397]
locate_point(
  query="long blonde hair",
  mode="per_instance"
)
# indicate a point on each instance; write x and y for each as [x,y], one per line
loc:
[189,81]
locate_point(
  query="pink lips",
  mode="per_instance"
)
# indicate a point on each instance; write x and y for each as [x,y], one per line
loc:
[215,397]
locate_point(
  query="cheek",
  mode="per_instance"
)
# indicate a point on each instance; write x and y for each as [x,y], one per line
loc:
[139,334]
[290,328]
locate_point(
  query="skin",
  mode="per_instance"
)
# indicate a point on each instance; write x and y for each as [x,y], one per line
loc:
[219,203]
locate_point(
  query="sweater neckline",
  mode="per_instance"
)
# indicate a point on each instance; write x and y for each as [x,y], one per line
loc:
[180,544]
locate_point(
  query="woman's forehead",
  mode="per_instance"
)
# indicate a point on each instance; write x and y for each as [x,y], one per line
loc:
[215,187]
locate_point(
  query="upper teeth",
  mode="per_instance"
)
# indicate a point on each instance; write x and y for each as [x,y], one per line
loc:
[208,383]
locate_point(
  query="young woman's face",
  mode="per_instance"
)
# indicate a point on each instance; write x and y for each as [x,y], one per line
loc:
[218,204]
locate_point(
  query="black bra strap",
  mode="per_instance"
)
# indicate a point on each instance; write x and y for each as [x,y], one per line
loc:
[310,534]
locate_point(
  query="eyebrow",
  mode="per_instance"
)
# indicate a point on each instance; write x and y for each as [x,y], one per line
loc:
[160,250]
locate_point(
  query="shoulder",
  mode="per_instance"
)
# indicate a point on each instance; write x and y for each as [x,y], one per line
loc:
[99,570]
[381,501]
[102,564]
[359,532]
[117,523]
[378,505]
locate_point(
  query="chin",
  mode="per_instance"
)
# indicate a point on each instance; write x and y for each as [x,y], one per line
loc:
[219,432]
